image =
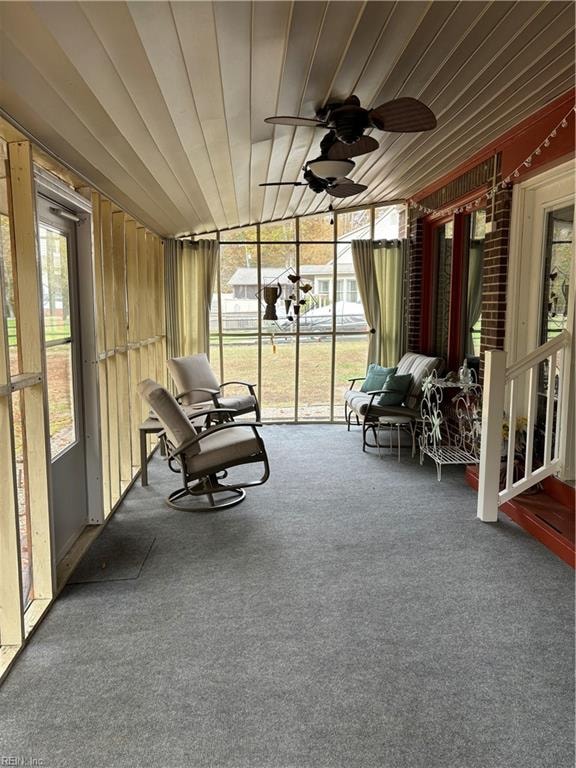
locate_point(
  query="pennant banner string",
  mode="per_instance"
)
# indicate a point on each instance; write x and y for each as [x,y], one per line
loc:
[491,193]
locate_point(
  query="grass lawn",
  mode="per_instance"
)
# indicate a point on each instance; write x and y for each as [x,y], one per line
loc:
[54,328]
[277,396]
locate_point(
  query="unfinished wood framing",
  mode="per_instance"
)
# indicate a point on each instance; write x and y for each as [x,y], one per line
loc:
[131,334]
[129,329]
[11,614]
[133,337]
[29,309]
[121,343]
[101,350]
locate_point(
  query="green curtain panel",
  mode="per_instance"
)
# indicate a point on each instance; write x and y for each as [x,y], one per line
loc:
[389,262]
[190,274]
[171,248]
[363,260]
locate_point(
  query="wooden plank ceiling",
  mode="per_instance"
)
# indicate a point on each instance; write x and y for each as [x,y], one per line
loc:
[162,105]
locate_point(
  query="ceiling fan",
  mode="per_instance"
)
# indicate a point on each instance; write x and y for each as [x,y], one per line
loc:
[332,179]
[347,121]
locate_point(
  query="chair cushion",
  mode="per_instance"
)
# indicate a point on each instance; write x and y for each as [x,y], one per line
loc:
[395,389]
[193,372]
[357,401]
[376,376]
[240,403]
[226,446]
[172,417]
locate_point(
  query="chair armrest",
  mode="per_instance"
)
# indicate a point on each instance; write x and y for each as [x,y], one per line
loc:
[243,383]
[208,412]
[355,379]
[398,410]
[373,393]
[183,447]
[210,392]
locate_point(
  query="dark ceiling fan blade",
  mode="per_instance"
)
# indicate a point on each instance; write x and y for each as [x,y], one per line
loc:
[312,122]
[341,151]
[405,115]
[346,189]
[283,184]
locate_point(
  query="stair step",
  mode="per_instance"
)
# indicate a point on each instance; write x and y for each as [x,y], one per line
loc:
[562,492]
[548,515]
[559,516]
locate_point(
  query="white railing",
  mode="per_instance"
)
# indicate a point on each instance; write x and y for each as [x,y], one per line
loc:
[510,395]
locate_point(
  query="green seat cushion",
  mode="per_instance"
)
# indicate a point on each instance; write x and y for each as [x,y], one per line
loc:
[395,389]
[376,377]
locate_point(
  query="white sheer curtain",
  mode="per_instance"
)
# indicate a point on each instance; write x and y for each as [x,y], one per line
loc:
[190,274]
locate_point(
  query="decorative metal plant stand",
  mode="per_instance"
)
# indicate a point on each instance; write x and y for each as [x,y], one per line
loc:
[450,426]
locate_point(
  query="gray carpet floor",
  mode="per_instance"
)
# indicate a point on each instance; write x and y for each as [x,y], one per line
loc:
[352,613]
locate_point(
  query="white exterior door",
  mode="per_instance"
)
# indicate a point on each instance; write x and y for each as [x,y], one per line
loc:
[541,284]
[58,262]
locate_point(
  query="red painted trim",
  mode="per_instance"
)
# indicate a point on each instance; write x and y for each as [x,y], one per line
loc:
[531,523]
[458,285]
[562,492]
[518,142]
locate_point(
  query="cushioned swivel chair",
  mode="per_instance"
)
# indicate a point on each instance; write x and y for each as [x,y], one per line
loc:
[197,385]
[204,459]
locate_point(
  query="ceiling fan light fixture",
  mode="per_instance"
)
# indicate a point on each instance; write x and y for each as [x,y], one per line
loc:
[331,169]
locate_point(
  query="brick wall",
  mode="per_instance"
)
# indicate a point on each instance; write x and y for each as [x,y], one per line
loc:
[495,273]
[495,270]
[414,283]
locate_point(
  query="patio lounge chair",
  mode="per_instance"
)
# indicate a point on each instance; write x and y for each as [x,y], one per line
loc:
[198,386]
[363,406]
[203,459]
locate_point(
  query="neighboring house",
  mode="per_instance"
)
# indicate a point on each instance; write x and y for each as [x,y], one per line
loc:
[240,305]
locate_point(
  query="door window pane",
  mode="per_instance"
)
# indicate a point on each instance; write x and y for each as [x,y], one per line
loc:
[60,397]
[557,268]
[58,339]
[55,285]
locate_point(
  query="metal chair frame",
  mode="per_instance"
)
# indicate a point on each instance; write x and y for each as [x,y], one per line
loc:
[208,483]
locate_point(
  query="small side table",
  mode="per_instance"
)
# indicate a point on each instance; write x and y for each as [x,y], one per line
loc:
[400,422]
[149,427]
